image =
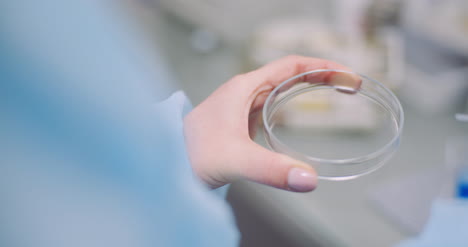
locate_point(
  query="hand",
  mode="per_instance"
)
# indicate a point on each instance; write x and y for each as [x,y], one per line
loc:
[220,130]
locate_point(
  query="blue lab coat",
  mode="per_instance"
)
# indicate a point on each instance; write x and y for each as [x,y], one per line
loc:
[88,157]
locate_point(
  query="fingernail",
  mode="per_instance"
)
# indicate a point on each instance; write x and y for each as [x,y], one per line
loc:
[301,180]
[343,89]
[345,82]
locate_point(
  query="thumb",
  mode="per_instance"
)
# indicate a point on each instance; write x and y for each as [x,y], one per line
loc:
[278,170]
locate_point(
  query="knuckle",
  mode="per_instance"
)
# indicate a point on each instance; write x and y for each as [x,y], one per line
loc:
[237,80]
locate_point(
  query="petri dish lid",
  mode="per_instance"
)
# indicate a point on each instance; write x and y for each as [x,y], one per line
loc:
[341,135]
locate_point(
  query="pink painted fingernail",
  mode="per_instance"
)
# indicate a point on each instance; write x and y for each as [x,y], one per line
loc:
[346,82]
[301,180]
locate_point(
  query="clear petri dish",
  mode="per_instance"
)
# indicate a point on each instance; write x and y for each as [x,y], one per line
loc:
[342,135]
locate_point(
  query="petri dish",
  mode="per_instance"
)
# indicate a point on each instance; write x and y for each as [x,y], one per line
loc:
[343,133]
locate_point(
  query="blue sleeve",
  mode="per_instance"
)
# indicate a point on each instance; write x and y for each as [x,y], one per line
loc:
[175,108]
[86,159]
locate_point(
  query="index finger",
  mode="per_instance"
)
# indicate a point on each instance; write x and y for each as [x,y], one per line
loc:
[280,70]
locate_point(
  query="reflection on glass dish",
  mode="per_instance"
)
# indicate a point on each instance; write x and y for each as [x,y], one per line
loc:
[341,135]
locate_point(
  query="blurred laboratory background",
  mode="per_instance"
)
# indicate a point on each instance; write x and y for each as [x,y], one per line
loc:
[417,48]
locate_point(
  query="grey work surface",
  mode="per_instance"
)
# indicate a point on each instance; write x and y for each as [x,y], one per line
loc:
[344,213]
[337,213]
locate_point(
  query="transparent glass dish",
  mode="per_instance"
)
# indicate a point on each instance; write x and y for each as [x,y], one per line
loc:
[342,135]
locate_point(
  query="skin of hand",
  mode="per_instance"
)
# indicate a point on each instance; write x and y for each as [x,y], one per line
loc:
[219,131]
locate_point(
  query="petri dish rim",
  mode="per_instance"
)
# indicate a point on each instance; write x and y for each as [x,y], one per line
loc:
[348,161]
